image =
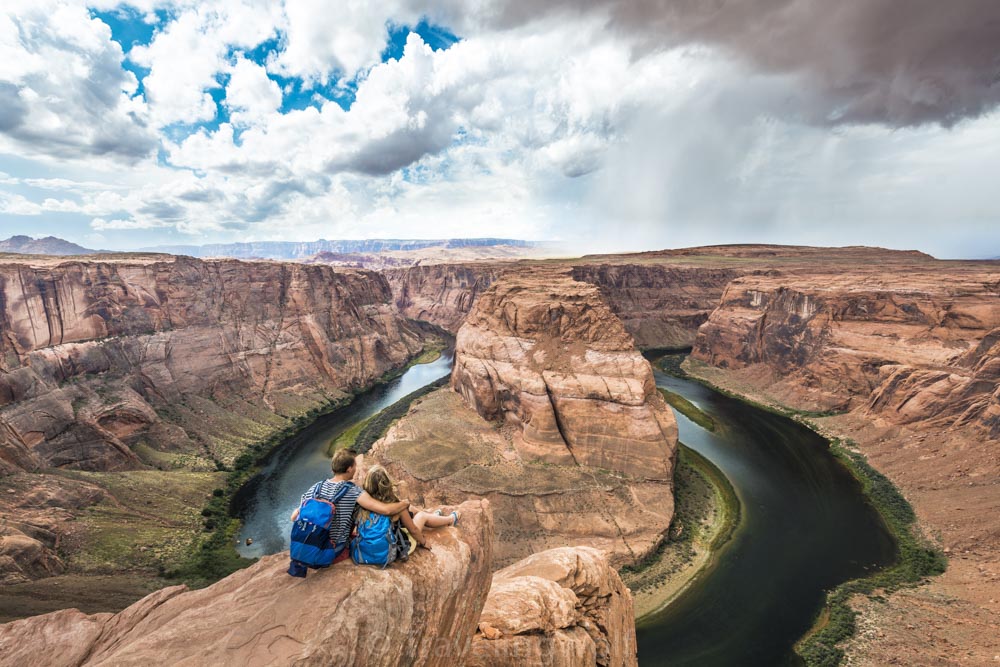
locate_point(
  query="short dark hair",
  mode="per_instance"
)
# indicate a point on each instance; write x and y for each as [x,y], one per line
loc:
[342,460]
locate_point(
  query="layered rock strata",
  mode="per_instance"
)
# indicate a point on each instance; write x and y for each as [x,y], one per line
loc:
[422,612]
[559,608]
[545,354]
[661,306]
[905,363]
[96,357]
[911,346]
[442,294]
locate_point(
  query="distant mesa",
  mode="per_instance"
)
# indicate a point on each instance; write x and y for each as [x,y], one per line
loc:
[50,245]
[291,250]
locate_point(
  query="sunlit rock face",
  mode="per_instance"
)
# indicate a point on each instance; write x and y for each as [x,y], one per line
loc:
[545,354]
[906,346]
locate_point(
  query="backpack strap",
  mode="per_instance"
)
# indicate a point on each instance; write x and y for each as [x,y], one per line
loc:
[342,491]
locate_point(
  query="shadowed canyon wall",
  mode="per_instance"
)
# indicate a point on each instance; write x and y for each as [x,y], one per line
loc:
[442,294]
[661,306]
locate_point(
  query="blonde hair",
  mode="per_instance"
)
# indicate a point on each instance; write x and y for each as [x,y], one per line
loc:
[379,486]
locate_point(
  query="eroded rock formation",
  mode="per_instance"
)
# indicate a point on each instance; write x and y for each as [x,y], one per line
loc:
[908,346]
[562,607]
[544,353]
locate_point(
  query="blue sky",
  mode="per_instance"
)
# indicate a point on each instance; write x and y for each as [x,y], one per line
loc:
[605,126]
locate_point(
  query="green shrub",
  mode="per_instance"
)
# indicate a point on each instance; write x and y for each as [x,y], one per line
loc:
[917,561]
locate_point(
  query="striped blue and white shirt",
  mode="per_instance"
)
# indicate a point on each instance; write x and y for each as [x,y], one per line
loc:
[343,518]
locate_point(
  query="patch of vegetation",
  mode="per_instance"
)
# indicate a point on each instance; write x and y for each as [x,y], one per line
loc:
[376,427]
[432,352]
[688,409]
[211,555]
[669,361]
[671,365]
[917,561]
[346,439]
[699,486]
[146,521]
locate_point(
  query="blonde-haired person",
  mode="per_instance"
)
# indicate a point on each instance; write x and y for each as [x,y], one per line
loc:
[380,486]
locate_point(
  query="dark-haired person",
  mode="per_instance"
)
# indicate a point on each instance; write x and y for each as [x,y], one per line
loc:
[343,467]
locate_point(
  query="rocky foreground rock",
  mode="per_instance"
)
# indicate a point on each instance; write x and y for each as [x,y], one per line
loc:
[426,611]
[558,607]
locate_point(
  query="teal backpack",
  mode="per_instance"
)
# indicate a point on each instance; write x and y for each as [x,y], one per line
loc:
[376,541]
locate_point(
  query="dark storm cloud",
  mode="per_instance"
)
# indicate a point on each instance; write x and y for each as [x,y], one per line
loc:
[897,62]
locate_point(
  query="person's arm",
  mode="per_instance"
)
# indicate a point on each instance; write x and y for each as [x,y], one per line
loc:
[295,514]
[411,527]
[377,506]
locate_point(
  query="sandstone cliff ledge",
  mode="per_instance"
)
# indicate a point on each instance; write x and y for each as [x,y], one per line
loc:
[422,612]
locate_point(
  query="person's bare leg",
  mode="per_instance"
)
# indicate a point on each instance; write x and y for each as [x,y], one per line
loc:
[429,520]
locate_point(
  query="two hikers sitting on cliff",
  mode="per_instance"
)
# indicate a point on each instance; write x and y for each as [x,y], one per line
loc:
[324,520]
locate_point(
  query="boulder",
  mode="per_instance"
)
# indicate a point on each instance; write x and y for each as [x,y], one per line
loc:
[561,607]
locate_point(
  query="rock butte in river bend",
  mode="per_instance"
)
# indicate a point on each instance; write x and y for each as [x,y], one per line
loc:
[561,426]
[544,353]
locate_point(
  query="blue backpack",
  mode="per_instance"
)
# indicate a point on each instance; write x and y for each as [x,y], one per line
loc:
[376,541]
[311,530]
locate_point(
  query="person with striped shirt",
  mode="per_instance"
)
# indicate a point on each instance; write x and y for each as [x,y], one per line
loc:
[343,466]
